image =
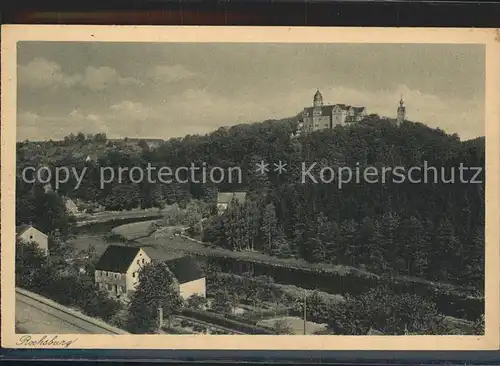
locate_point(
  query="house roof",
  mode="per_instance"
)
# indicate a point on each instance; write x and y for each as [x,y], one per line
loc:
[185,269]
[227,197]
[22,228]
[117,258]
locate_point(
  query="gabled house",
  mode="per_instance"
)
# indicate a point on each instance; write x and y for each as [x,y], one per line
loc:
[224,200]
[189,276]
[117,270]
[29,233]
[91,158]
[71,206]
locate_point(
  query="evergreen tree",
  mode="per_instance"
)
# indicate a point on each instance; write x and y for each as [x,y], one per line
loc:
[269,228]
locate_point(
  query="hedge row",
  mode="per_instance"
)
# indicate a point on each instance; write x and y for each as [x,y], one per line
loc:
[175,330]
[225,322]
[259,315]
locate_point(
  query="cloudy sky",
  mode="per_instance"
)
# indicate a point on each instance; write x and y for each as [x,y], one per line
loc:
[162,90]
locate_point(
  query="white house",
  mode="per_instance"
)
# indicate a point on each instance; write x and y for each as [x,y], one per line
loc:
[189,276]
[224,199]
[117,270]
[29,233]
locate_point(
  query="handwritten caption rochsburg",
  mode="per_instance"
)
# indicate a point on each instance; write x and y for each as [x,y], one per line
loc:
[44,341]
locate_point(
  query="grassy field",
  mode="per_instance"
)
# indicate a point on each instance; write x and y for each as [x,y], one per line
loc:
[133,230]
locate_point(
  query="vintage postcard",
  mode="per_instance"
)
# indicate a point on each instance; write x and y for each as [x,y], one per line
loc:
[250,188]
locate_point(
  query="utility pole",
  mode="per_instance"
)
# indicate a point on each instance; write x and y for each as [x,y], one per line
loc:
[160,319]
[305,312]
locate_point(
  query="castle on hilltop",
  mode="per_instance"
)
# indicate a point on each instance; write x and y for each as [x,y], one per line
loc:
[321,116]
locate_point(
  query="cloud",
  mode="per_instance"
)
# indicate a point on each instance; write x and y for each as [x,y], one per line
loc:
[41,73]
[170,74]
[100,78]
[132,110]
[28,118]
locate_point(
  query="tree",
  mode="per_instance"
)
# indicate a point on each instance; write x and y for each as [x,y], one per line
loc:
[281,326]
[479,326]
[156,289]
[30,262]
[196,302]
[224,301]
[269,227]
[80,137]
[389,312]
[100,138]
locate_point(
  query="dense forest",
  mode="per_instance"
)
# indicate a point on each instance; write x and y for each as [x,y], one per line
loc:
[433,230]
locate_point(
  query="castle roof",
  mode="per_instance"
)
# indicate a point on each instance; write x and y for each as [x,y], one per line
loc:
[326,110]
[318,95]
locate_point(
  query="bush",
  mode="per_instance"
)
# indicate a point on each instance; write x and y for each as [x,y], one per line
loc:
[196,302]
[175,330]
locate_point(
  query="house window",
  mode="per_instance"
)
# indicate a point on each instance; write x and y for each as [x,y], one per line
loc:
[142,260]
[110,287]
[31,237]
[133,274]
[138,261]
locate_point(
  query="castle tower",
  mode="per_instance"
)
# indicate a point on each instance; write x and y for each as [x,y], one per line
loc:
[401,112]
[318,99]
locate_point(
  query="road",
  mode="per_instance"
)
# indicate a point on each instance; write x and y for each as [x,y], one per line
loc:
[35,317]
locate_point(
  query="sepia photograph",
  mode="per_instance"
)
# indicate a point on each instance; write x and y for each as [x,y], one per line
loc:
[208,182]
